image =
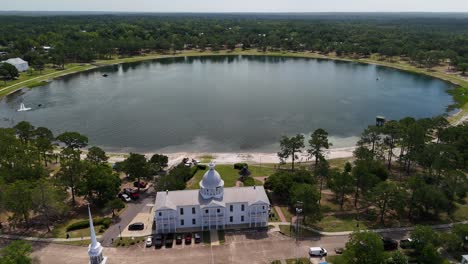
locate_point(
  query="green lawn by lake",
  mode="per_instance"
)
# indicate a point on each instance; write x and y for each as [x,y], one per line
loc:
[229,175]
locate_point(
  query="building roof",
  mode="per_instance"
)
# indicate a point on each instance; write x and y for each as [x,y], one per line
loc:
[15,61]
[172,199]
[211,179]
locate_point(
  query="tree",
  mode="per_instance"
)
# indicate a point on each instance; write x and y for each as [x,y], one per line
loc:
[71,173]
[341,183]
[99,183]
[136,167]
[157,163]
[397,257]
[423,236]
[39,65]
[49,201]
[4,75]
[309,196]
[18,200]
[25,131]
[96,155]
[115,204]
[391,129]
[73,140]
[364,248]
[318,142]
[17,252]
[429,255]
[387,196]
[322,171]
[370,136]
[290,147]
[44,139]
[9,72]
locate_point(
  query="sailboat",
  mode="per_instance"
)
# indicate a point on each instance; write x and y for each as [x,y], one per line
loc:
[23,108]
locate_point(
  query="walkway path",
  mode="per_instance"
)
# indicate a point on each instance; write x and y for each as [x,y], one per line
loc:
[214,238]
[43,239]
[39,77]
[280,214]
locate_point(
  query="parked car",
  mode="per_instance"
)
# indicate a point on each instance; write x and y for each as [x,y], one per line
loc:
[389,243]
[149,241]
[197,238]
[132,193]
[158,240]
[406,243]
[178,239]
[188,238]
[169,240]
[317,251]
[339,250]
[136,226]
[125,197]
[141,184]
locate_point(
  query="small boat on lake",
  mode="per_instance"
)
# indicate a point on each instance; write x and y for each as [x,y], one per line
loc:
[23,108]
[105,75]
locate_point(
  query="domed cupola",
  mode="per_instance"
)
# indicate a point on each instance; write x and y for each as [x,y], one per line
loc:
[211,186]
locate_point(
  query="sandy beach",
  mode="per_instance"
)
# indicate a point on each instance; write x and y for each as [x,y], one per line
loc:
[234,157]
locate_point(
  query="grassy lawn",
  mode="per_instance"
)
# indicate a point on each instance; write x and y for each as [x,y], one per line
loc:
[60,231]
[229,175]
[339,223]
[81,243]
[287,214]
[339,163]
[291,231]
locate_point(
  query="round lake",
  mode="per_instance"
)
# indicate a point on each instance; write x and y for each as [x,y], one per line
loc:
[225,103]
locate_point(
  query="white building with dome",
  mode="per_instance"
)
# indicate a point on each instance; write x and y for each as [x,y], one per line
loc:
[211,207]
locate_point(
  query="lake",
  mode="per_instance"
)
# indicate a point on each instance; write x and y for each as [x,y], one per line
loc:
[225,103]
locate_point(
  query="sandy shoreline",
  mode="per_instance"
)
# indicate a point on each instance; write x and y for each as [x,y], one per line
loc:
[234,157]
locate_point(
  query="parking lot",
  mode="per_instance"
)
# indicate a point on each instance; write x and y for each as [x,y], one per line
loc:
[243,236]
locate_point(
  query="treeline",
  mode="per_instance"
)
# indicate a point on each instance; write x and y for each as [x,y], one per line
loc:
[407,169]
[31,185]
[426,41]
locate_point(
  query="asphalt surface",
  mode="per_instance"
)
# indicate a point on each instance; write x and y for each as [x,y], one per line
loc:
[238,248]
[133,208]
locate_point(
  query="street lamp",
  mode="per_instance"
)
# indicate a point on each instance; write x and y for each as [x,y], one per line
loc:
[120,231]
[298,212]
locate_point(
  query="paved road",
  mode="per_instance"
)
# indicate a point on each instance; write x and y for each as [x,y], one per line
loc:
[127,216]
[239,248]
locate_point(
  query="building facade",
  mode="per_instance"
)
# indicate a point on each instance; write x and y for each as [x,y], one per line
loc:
[19,64]
[211,207]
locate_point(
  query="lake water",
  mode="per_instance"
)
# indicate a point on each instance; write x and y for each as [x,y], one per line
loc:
[227,103]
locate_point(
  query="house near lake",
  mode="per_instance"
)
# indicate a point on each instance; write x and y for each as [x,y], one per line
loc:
[19,64]
[211,207]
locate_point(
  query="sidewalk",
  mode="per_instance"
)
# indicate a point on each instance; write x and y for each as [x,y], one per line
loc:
[345,233]
[43,239]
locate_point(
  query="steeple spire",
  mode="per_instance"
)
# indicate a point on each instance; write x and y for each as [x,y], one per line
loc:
[95,248]
[91,228]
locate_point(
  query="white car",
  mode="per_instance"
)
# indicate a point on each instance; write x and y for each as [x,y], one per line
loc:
[126,198]
[149,241]
[317,251]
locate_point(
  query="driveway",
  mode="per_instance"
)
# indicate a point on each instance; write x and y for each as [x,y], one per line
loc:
[125,218]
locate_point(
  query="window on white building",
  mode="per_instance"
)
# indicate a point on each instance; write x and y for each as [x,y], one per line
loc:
[181,211]
[193,210]
[160,214]
[218,210]
[182,222]
[194,222]
[242,218]
[206,211]
[231,208]
[242,207]
[231,219]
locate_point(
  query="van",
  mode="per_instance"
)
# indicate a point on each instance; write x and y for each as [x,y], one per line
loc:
[136,226]
[317,251]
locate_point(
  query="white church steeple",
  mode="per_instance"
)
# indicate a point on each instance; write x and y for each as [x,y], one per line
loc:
[95,248]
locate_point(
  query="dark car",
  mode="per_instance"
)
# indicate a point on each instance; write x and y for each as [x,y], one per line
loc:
[141,184]
[406,243]
[178,239]
[136,226]
[188,238]
[389,243]
[158,240]
[197,238]
[169,240]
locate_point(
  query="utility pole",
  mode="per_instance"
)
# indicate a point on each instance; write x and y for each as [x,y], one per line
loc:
[298,212]
[120,231]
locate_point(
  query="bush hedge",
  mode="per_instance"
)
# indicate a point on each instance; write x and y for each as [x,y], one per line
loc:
[239,166]
[249,181]
[201,166]
[104,222]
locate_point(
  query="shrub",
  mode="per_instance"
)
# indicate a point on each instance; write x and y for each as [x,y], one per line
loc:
[239,166]
[104,222]
[201,166]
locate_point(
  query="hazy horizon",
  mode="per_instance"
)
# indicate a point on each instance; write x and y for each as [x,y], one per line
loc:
[240,6]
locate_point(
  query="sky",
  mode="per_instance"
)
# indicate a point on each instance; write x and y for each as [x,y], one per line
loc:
[238,5]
